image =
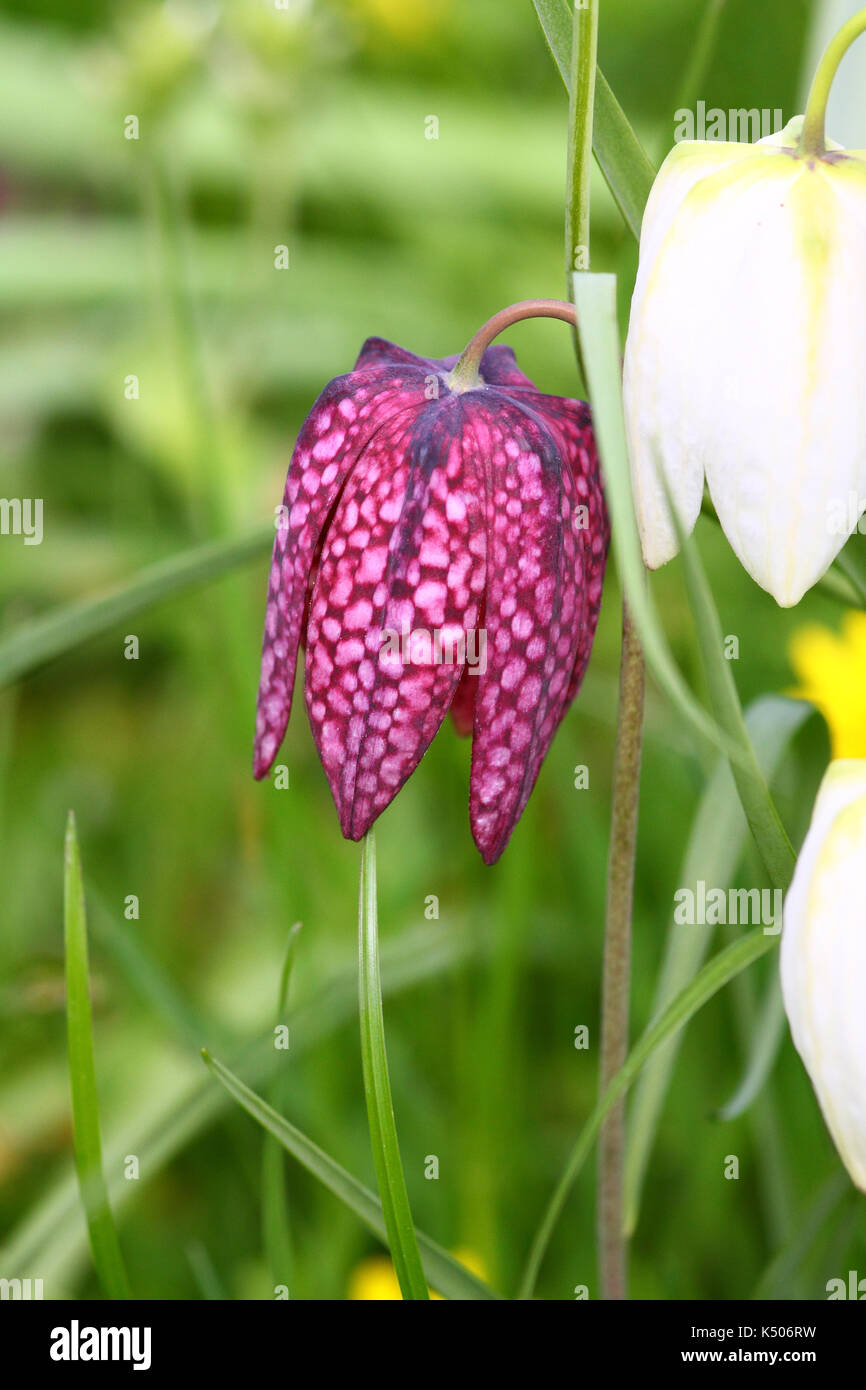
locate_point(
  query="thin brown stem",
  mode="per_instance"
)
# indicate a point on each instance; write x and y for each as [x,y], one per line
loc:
[612,1245]
[465,374]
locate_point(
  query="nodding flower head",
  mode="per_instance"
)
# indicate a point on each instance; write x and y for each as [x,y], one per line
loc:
[745,351]
[441,545]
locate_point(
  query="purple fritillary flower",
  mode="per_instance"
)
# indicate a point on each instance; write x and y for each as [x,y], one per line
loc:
[418,511]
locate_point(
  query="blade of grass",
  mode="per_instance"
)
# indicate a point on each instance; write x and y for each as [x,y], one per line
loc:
[147,978]
[772,1152]
[276,1230]
[715,847]
[377,1089]
[851,565]
[104,1244]
[554,16]
[204,1273]
[765,1043]
[769,834]
[722,968]
[288,965]
[446,1274]
[782,1270]
[620,155]
[60,631]
[53,1239]
[701,55]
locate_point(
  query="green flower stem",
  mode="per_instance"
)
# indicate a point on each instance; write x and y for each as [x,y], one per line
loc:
[812,140]
[402,1240]
[581,97]
[465,375]
[612,1242]
[624,164]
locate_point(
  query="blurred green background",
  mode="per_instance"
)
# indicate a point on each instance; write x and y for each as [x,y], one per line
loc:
[304,127]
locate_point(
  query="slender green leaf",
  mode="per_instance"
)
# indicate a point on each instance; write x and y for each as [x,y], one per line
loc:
[276,1229]
[204,1273]
[783,1269]
[695,74]
[766,1041]
[621,157]
[554,16]
[851,562]
[286,972]
[765,823]
[52,1237]
[82,1078]
[146,976]
[770,1146]
[58,632]
[716,844]
[377,1089]
[446,1274]
[722,968]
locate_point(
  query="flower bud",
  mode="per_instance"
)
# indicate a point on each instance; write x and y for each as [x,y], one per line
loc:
[746,353]
[823,958]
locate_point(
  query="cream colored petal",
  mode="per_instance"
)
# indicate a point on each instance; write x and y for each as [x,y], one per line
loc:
[787,452]
[823,959]
[671,375]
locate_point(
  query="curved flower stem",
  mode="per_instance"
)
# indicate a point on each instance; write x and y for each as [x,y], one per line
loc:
[612,1245]
[465,374]
[812,136]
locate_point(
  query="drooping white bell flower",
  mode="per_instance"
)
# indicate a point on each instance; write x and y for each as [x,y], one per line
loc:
[745,362]
[823,958]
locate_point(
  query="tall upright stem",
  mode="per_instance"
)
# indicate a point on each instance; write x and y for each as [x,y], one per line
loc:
[612,1245]
[583,61]
[402,1239]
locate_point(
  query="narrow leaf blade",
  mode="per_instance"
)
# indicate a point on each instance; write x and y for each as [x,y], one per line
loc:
[627,169]
[60,631]
[446,1274]
[708,982]
[716,844]
[82,1078]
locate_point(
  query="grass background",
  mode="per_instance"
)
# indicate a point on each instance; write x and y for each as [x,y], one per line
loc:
[155,257]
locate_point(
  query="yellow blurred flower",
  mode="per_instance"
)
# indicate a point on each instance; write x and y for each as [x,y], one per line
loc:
[374,1278]
[831,670]
[406,20]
